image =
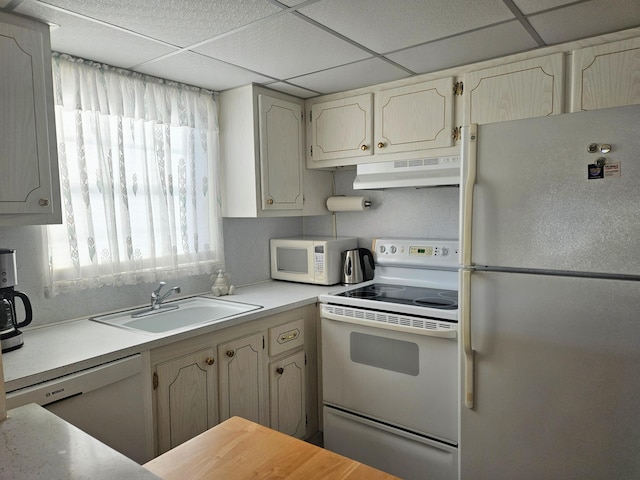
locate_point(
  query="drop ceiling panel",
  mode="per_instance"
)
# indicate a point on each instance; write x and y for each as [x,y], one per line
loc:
[194,69]
[586,19]
[84,38]
[179,22]
[531,6]
[490,42]
[305,47]
[347,77]
[283,47]
[384,26]
[291,90]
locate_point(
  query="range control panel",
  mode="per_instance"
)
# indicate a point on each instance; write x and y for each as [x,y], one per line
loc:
[412,252]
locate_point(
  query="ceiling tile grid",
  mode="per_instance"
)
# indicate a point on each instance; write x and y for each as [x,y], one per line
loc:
[181,23]
[388,25]
[283,47]
[491,42]
[311,47]
[81,37]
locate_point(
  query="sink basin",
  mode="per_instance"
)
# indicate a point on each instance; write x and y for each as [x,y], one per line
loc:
[176,315]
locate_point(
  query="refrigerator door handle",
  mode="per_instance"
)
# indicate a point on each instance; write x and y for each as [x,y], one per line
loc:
[469,354]
[469,148]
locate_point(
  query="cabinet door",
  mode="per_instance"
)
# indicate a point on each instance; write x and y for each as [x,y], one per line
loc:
[287,385]
[242,379]
[415,117]
[526,89]
[29,181]
[186,398]
[281,153]
[341,128]
[606,76]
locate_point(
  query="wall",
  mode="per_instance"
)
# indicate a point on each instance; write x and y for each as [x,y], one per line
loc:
[246,243]
[247,260]
[402,212]
[427,212]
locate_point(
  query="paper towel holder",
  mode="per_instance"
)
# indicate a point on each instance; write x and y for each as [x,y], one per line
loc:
[344,203]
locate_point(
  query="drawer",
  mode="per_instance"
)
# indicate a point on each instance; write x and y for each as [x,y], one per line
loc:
[286,337]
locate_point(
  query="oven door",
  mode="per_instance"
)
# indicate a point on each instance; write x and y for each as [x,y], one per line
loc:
[404,379]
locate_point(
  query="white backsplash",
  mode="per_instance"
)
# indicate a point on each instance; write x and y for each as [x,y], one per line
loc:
[402,212]
[246,243]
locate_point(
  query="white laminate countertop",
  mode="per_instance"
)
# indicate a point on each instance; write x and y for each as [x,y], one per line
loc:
[53,351]
[36,444]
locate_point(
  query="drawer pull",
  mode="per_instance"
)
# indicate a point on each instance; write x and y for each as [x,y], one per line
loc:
[280,370]
[230,353]
[210,360]
[289,336]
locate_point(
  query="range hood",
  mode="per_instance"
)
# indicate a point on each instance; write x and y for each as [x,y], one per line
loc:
[420,172]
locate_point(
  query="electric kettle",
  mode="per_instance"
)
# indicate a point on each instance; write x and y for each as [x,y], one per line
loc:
[354,269]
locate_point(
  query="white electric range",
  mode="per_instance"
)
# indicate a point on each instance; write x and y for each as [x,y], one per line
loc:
[390,363]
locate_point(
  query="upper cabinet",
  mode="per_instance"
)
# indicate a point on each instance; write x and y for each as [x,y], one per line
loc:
[281,142]
[391,124]
[606,76]
[29,184]
[415,117]
[262,151]
[341,128]
[525,89]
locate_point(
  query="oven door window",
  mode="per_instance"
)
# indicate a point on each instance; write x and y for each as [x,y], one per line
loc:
[388,353]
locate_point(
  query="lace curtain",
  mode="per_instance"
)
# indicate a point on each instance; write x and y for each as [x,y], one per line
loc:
[138,161]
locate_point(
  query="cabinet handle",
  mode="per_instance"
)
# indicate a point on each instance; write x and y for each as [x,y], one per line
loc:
[210,360]
[380,144]
[289,336]
[230,353]
[43,202]
[270,201]
[280,370]
[364,147]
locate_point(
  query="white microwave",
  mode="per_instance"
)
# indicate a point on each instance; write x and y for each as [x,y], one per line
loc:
[309,259]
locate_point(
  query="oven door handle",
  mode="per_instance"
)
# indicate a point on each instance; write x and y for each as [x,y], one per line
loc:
[439,333]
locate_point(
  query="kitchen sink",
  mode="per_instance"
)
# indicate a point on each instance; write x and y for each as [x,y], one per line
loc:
[176,315]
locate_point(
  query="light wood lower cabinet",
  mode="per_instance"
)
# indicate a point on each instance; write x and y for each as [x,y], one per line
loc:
[242,390]
[265,371]
[287,385]
[186,398]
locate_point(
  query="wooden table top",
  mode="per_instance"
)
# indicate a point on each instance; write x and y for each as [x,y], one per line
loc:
[238,449]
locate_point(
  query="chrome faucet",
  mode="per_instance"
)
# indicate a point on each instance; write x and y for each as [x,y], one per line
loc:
[157,299]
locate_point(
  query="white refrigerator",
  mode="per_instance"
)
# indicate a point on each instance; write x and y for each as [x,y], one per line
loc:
[550,298]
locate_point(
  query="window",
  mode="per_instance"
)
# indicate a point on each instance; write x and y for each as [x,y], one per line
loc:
[138,161]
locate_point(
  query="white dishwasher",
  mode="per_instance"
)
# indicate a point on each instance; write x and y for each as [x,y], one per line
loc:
[104,401]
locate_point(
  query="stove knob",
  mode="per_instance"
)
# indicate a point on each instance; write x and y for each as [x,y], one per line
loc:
[393,249]
[383,249]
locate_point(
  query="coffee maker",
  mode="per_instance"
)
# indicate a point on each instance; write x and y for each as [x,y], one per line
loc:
[10,336]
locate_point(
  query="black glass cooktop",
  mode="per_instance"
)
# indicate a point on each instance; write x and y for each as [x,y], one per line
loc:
[419,296]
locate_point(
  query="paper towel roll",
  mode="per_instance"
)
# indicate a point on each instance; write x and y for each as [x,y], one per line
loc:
[348,204]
